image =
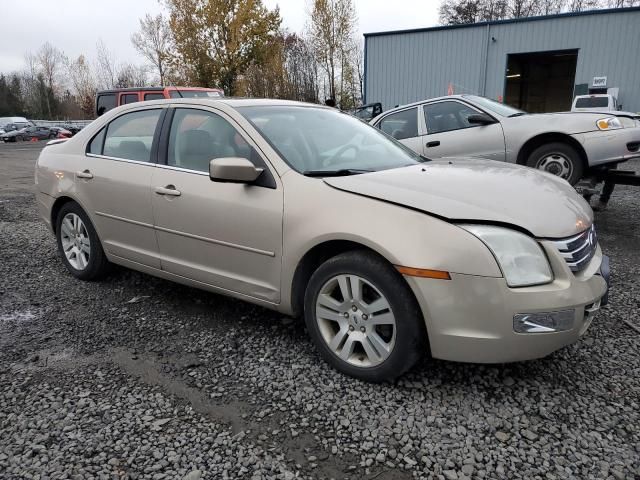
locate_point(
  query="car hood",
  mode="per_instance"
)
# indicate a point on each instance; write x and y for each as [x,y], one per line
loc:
[479,191]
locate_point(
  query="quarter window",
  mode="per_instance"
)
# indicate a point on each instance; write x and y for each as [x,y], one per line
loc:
[130,136]
[105,103]
[154,96]
[401,125]
[95,146]
[447,116]
[129,98]
[197,137]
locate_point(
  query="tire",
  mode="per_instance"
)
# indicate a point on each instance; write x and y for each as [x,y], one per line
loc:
[405,339]
[52,136]
[558,158]
[88,263]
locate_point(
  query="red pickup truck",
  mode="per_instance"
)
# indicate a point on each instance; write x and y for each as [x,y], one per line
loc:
[108,99]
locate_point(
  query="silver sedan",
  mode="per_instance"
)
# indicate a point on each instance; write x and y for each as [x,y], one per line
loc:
[570,145]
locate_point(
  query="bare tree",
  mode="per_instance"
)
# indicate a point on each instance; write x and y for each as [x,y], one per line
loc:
[331,28]
[106,70]
[131,76]
[153,41]
[83,83]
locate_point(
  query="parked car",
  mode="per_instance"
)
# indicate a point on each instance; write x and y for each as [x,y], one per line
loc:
[72,128]
[60,132]
[13,133]
[309,211]
[39,132]
[595,103]
[108,99]
[570,144]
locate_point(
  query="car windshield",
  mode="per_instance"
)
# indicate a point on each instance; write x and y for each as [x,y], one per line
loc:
[317,140]
[495,107]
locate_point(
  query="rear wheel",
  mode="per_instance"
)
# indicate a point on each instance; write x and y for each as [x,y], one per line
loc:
[78,243]
[558,158]
[363,318]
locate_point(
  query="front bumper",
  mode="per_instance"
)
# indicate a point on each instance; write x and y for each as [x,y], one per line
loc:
[610,147]
[470,318]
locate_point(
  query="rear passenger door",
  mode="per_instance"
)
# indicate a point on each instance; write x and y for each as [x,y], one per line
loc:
[113,183]
[404,126]
[449,133]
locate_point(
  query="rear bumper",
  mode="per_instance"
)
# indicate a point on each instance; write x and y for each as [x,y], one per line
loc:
[610,147]
[471,318]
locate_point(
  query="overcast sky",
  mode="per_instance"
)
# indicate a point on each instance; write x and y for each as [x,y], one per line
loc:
[74,26]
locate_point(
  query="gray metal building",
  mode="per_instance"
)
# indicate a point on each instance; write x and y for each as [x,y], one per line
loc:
[536,63]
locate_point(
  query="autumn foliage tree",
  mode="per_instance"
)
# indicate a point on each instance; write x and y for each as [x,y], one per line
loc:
[216,41]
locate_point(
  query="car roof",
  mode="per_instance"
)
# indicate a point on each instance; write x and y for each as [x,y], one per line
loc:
[234,102]
[434,99]
[153,89]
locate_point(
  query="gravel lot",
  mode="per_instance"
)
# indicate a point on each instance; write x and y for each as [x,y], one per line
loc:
[136,377]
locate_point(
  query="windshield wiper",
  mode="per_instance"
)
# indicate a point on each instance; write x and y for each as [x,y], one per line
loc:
[343,172]
[519,114]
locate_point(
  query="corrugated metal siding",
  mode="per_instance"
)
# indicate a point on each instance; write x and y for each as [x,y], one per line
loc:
[407,67]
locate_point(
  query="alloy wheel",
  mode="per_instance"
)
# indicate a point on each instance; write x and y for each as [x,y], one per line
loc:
[355,320]
[76,244]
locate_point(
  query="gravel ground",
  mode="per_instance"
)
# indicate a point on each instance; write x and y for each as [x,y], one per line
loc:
[136,377]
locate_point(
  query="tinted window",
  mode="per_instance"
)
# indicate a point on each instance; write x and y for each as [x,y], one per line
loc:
[128,98]
[447,116]
[401,125]
[154,96]
[197,137]
[105,103]
[592,102]
[95,146]
[174,94]
[130,136]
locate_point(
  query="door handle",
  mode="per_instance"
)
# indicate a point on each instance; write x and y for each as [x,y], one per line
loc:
[435,143]
[85,174]
[168,190]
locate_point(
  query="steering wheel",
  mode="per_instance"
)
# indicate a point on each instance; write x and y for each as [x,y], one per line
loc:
[339,153]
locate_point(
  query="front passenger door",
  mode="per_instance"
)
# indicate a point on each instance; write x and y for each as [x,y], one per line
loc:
[227,235]
[450,134]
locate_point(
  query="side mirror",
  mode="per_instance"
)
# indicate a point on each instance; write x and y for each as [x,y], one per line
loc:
[480,119]
[233,170]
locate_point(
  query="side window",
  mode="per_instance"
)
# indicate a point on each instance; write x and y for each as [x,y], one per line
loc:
[154,96]
[401,125]
[447,116]
[174,94]
[128,98]
[95,146]
[130,136]
[105,103]
[197,137]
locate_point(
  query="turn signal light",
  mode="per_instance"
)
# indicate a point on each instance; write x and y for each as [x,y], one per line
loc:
[424,273]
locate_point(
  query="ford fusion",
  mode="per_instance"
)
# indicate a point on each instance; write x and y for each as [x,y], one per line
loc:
[311,212]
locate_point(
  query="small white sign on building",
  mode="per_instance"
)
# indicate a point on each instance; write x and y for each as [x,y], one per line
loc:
[599,82]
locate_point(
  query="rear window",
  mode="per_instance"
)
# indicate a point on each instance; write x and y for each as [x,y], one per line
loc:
[199,94]
[592,102]
[105,103]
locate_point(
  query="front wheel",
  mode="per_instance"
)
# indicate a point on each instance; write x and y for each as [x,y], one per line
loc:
[363,318]
[78,243]
[558,158]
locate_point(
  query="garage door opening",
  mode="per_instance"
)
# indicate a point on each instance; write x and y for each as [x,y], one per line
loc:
[541,81]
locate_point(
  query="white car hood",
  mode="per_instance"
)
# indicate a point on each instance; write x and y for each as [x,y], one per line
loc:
[479,191]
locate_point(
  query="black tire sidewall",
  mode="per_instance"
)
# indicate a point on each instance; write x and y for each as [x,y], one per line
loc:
[97,259]
[411,336]
[566,150]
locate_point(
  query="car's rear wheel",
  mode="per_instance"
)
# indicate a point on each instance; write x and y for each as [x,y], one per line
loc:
[558,158]
[363,318]
[78,243]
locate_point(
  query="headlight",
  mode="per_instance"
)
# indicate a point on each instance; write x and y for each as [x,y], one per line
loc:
[609,123]
[521,259]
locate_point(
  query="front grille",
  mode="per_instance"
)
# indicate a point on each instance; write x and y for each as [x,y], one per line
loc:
[578,250]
